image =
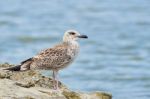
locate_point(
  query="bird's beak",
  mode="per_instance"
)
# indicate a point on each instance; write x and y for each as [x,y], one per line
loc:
[82,36]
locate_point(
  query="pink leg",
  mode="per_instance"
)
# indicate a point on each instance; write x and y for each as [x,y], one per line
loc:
[55,79]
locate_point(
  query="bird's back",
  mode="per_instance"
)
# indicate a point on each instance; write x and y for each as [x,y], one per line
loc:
[57,57]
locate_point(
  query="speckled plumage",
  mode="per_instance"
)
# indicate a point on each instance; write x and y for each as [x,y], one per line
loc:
[57,57]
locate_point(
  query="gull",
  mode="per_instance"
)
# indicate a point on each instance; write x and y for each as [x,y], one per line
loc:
[56,58]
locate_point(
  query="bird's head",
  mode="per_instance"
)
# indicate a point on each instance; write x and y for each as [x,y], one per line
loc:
[72,35]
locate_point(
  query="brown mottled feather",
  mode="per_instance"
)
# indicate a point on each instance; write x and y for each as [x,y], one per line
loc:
[57,57]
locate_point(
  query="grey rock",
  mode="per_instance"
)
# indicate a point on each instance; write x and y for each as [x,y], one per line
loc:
[32,85]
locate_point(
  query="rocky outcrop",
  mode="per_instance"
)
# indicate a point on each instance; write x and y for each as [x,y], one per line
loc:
[32,85]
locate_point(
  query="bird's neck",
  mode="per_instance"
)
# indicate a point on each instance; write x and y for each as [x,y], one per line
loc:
[73,48]
[73,44]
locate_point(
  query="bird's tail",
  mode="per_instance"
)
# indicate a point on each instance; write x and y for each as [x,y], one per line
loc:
[25,65]
[15,68]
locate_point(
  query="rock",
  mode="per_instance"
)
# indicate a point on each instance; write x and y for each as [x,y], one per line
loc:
[32,85]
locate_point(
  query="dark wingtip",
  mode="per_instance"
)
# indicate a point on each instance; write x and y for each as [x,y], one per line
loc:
[15,68]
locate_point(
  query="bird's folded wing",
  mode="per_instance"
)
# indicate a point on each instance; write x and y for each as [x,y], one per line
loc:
[52,57]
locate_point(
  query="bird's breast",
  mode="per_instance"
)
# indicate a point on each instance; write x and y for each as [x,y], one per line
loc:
[73,50]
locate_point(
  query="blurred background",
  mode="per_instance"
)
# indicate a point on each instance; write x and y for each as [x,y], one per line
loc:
[114,59]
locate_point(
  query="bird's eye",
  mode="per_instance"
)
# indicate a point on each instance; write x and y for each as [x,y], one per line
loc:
[72,33]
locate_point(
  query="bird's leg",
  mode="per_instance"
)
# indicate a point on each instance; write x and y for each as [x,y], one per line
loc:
[55,79]
[57,87]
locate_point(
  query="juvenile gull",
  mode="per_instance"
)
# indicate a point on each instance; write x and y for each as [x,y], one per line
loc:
[56,58]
